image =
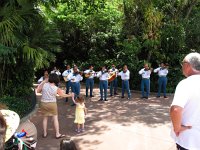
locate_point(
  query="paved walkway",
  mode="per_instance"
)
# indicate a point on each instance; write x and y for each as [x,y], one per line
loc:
[118,124]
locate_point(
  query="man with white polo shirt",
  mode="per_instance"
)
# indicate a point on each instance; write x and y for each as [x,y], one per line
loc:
[125,76]
[185,107]
[65,74]
[162,80]
[103,84]
[145,83]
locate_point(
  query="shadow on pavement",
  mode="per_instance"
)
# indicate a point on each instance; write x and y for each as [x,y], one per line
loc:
[101,118]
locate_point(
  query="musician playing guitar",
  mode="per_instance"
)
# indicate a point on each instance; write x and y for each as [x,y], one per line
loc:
[89,74]
[145,83]
[68,82]
[113,84]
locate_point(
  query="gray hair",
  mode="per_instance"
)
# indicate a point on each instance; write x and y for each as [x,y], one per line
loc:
[194,60]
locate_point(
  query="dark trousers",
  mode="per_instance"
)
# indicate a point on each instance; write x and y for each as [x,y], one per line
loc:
[180,148]
[89,84]
[113,85]
[75,88]
[145,84]
[103,86]
[162,83]
[125,86]
[68,86]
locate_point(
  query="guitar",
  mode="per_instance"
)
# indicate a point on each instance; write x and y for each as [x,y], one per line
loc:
[87,75]
[112,76]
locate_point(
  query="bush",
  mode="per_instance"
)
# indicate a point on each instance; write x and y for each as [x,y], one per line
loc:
[21,106]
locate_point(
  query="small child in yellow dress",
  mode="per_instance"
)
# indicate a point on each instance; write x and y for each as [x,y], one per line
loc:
[80,114]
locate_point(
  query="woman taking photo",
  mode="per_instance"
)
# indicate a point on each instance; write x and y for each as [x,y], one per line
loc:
[49,90]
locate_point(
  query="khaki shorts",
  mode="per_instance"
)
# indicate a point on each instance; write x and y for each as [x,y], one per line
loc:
[49,108]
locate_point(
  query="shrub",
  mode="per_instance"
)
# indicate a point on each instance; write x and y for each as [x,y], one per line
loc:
[21,106]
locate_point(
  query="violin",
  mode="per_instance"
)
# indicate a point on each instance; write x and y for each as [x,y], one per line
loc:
[78,72]
[147,69]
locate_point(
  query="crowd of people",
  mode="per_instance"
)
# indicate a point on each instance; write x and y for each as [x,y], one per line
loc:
[73,77]
[184,111]
[49,87]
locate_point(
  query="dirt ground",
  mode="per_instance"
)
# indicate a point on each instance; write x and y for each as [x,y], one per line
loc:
[117,124]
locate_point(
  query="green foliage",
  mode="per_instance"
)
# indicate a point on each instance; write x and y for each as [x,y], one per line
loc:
[27,42]
[35,34]
[19,105]
[87,33]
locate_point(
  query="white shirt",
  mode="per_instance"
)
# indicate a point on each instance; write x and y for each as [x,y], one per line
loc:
[90,71]
[125,76]
[112,70]
[56,72]
[41,79]
[187,96]
[102,76]
[49,93]
[67,72]
[145,73]
[161,72]
[75,77]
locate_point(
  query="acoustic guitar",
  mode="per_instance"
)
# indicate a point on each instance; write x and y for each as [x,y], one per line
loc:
[112,76]
[87,75]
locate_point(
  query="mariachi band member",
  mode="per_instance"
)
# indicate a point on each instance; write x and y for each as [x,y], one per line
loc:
[145,83]
[68,82]
[162,80]
[89,74]
[56,71]
[125,76]
[113,84]
[45,76]
[75,77]
[103,85]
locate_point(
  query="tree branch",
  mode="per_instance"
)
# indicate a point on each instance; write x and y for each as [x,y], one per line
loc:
[192,4]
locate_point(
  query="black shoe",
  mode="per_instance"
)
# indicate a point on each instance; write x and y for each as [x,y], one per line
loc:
[122,97]
[142,97]
[105,100]
[111,95]
[73,104]
[91,95]
[101,100]
[158,96]
[165,97]
[116,94]
[146,97]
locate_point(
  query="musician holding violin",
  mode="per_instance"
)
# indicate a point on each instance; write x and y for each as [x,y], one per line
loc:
[103,85]
[162,80]
[113,84]
[89,74]
[75,77]
[145,83]
[65,75]
[125,76]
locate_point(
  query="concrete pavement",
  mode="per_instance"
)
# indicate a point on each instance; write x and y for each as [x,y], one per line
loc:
[118,124]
